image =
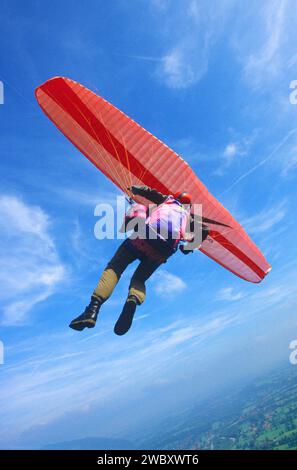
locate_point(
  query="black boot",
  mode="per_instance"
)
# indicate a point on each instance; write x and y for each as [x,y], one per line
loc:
[125,319]
[89,317]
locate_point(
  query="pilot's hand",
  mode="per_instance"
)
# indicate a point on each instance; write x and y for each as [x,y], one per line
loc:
[184,250]
[133,189]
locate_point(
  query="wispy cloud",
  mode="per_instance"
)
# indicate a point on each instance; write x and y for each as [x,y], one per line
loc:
[264,42]
[229,294]
[55,378]
[266,219]
[43,378]
[195,28]
[238,148]
[30,266]
[188,31]
[15,313]
[264,63]
[179,70]
[232,151]
[276,150]
[167,284]
[38,390]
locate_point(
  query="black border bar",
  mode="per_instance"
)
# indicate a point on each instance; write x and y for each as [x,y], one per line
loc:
[134,458]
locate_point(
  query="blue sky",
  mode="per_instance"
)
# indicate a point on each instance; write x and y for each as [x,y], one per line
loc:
[210,80]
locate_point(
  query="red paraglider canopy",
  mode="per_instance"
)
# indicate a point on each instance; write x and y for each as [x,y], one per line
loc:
[129,155]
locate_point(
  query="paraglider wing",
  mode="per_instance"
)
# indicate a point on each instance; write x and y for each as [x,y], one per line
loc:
[129,155]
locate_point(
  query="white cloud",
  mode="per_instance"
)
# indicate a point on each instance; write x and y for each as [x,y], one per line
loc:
[16,312]
[229,294]
[30,266]
[266,219]
[273,154]
[192,28]
[231,150]
[167,284]
[181,68]
[263,38]
[19,217]
[262,35]
[264,63]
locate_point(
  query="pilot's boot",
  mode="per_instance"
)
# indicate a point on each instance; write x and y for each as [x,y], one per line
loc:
[89,317]
[126,318]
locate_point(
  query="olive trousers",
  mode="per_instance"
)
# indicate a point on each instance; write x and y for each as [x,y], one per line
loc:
[117,265]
